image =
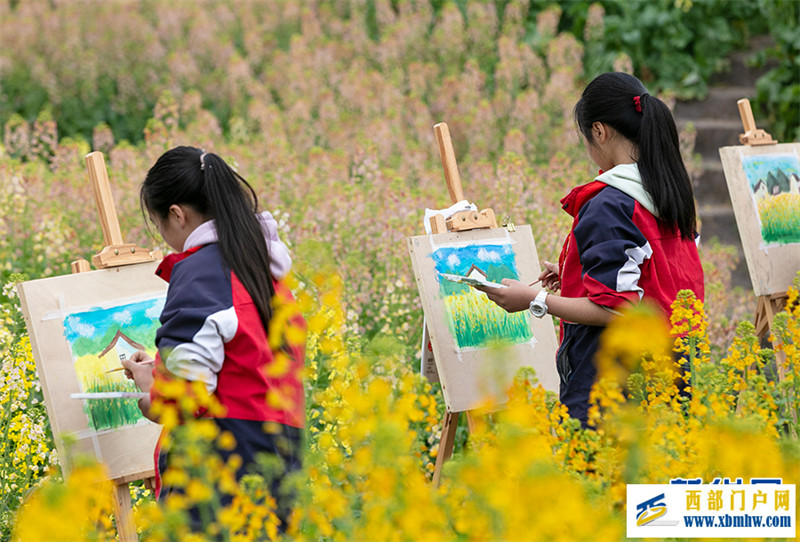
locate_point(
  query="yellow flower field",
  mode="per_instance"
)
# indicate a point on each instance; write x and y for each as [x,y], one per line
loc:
[367,469]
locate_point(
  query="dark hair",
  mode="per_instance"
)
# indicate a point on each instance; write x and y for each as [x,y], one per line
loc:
[647,122]
[189,176]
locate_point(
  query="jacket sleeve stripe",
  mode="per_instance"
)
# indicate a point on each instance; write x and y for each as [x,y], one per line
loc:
[201,358]
[630,272]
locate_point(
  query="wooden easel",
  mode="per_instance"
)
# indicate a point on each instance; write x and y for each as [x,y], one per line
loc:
[460,221]
[767,306]
[116,253]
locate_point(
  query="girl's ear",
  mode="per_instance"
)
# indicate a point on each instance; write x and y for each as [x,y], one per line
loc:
[178,213]
[600,132]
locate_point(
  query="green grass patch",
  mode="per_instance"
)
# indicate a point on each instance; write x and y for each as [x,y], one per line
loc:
[477,322]
[111,413]
[780,218]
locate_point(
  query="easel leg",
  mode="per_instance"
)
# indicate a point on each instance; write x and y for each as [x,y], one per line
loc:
[446,444]
[123,512]
[767,307]
[471,422]
[763,318]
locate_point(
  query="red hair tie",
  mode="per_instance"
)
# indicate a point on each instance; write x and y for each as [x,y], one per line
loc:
[637,103]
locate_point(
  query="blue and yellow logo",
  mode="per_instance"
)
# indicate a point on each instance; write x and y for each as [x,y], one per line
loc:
[650,510]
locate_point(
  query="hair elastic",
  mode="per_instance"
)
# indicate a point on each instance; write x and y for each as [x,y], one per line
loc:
[637,103]
[203,161]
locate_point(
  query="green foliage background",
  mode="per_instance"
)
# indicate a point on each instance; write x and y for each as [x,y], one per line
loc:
[673,45]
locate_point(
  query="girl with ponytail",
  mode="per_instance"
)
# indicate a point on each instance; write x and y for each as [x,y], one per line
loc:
[222,278]
[633,234]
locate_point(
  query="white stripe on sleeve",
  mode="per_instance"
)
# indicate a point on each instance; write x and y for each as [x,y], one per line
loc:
[201,359]
[629,273]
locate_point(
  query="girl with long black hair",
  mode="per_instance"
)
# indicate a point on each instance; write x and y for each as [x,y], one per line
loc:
[633,234]
[223,280]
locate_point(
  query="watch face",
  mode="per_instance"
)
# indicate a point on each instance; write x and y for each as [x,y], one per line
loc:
[537,309]
[538,306]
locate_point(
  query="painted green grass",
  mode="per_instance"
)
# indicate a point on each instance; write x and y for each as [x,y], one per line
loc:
[111,413]
[477,322]
[780,218]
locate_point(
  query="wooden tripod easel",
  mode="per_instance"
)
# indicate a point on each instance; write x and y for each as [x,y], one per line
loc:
[116,253]
[460,221]
[767,306]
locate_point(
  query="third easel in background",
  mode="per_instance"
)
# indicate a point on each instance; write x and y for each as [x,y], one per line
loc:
[763,178]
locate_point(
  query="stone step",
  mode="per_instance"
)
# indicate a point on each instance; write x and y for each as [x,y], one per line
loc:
[739,71]
[710,187]
[721,103]
[714,133]
[718,221]
[712,211]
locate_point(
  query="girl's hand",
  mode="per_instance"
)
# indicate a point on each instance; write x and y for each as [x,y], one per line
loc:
[550,277]
[139,368]
[517,297]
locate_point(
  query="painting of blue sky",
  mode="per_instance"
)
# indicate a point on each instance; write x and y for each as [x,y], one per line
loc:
[474,320]
[758,167]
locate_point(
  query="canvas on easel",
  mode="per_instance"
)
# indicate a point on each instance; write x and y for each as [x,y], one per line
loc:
[80,326]
[479,347]
[764,185]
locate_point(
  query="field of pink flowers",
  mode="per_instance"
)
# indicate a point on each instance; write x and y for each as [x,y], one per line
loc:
[330,119]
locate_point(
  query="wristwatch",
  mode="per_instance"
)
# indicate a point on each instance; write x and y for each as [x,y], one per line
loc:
[538,306]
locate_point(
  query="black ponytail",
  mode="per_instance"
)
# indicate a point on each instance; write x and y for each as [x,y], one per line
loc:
[621,101]
[187,175]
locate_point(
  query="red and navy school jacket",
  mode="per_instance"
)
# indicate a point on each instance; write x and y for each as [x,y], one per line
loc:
[211,332]
[616,254]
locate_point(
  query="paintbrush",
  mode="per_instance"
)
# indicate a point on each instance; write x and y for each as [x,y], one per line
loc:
[123,368]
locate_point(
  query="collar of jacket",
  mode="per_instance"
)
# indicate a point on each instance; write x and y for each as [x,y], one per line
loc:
[579,195]
[164,269]
[624,177]
[628,179]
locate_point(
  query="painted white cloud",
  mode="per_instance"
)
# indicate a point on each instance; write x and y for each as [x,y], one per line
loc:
[453,260]
[122,317]
[487,256]
[84,330]
[155,311]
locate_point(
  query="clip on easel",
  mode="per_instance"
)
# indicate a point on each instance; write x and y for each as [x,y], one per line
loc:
[751,135]
[116,253]
[460,221]
[767,306]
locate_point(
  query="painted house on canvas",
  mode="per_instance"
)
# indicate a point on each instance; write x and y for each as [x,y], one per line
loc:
[476,273]
[760,190]
[473,320]
[122,347]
